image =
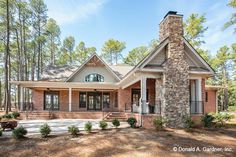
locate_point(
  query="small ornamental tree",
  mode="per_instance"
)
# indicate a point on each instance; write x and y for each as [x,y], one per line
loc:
[88,127]
[45,130]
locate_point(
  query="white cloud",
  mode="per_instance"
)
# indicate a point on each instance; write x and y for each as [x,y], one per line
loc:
[69,12]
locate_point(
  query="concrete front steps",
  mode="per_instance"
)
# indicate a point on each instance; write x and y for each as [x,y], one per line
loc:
[121,116]
[32,115]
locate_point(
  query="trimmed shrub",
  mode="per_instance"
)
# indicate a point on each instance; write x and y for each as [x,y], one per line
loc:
[132,122]
[15,114]
[8,116]
[188,122]
[207,120]
[0,132]
[116,123]
[159,123]
[45,130]
[103,124]
[88,127]
[73,130]
[19,132]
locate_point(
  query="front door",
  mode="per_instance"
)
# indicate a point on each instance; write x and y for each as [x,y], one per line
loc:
[51,100]
[94,100]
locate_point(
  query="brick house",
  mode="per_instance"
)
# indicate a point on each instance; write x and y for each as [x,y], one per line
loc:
[169,81]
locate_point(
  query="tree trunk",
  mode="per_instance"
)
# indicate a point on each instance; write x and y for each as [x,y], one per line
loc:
[6,100]
[18,67]
[33,63]
[9,79]
[0,94]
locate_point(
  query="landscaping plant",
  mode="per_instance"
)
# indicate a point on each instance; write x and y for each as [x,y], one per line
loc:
[116,123]
[103,124]
[207,120]
[19,132]
[132,122]
[15,114]
[73,130]
[222,118]
[8,116]
[88,127]
[45,130]
[188,122]
[159,123]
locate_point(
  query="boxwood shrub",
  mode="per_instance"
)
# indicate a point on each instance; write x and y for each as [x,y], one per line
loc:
[103,124]
[132,122]
[116,122]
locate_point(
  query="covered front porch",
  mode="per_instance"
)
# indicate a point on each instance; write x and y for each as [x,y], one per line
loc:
[146,95]
[69,97]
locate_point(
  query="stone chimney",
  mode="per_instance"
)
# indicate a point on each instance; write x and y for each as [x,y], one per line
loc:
[175,77]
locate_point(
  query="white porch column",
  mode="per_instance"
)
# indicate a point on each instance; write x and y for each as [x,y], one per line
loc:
[70,98]
[143,105]
[21,98]
[199,94]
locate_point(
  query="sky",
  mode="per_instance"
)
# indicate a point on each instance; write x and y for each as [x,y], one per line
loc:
[136,22]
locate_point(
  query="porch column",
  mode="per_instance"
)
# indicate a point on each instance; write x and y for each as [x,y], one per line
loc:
[199,95]
[143,104]
[21,98]
[70,98]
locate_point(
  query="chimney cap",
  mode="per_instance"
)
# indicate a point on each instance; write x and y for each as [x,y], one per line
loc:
[171,13]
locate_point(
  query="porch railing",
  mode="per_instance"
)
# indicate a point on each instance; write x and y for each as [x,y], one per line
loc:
[152,108]
[26,106]
[196,107]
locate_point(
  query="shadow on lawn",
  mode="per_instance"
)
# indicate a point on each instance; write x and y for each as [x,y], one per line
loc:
[160,144]
[123,142]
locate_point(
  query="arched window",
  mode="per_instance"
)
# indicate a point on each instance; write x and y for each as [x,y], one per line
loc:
[94,78]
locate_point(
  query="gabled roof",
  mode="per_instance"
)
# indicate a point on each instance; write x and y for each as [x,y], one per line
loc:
[87,61]
[156,50]
[57,73]
[121,71]
[199,56]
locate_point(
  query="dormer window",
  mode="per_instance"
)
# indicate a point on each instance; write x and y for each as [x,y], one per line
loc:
[94,78]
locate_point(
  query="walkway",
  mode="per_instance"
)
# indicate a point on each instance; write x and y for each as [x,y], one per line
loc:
[59,126]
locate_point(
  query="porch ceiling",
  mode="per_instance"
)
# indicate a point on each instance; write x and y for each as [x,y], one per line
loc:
[85,85]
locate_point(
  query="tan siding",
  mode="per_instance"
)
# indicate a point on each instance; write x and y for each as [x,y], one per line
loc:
[80,77]
[158,59]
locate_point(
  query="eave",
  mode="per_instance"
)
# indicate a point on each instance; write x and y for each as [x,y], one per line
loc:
[88,85]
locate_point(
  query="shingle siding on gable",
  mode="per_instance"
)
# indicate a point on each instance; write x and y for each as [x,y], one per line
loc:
[158,59]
